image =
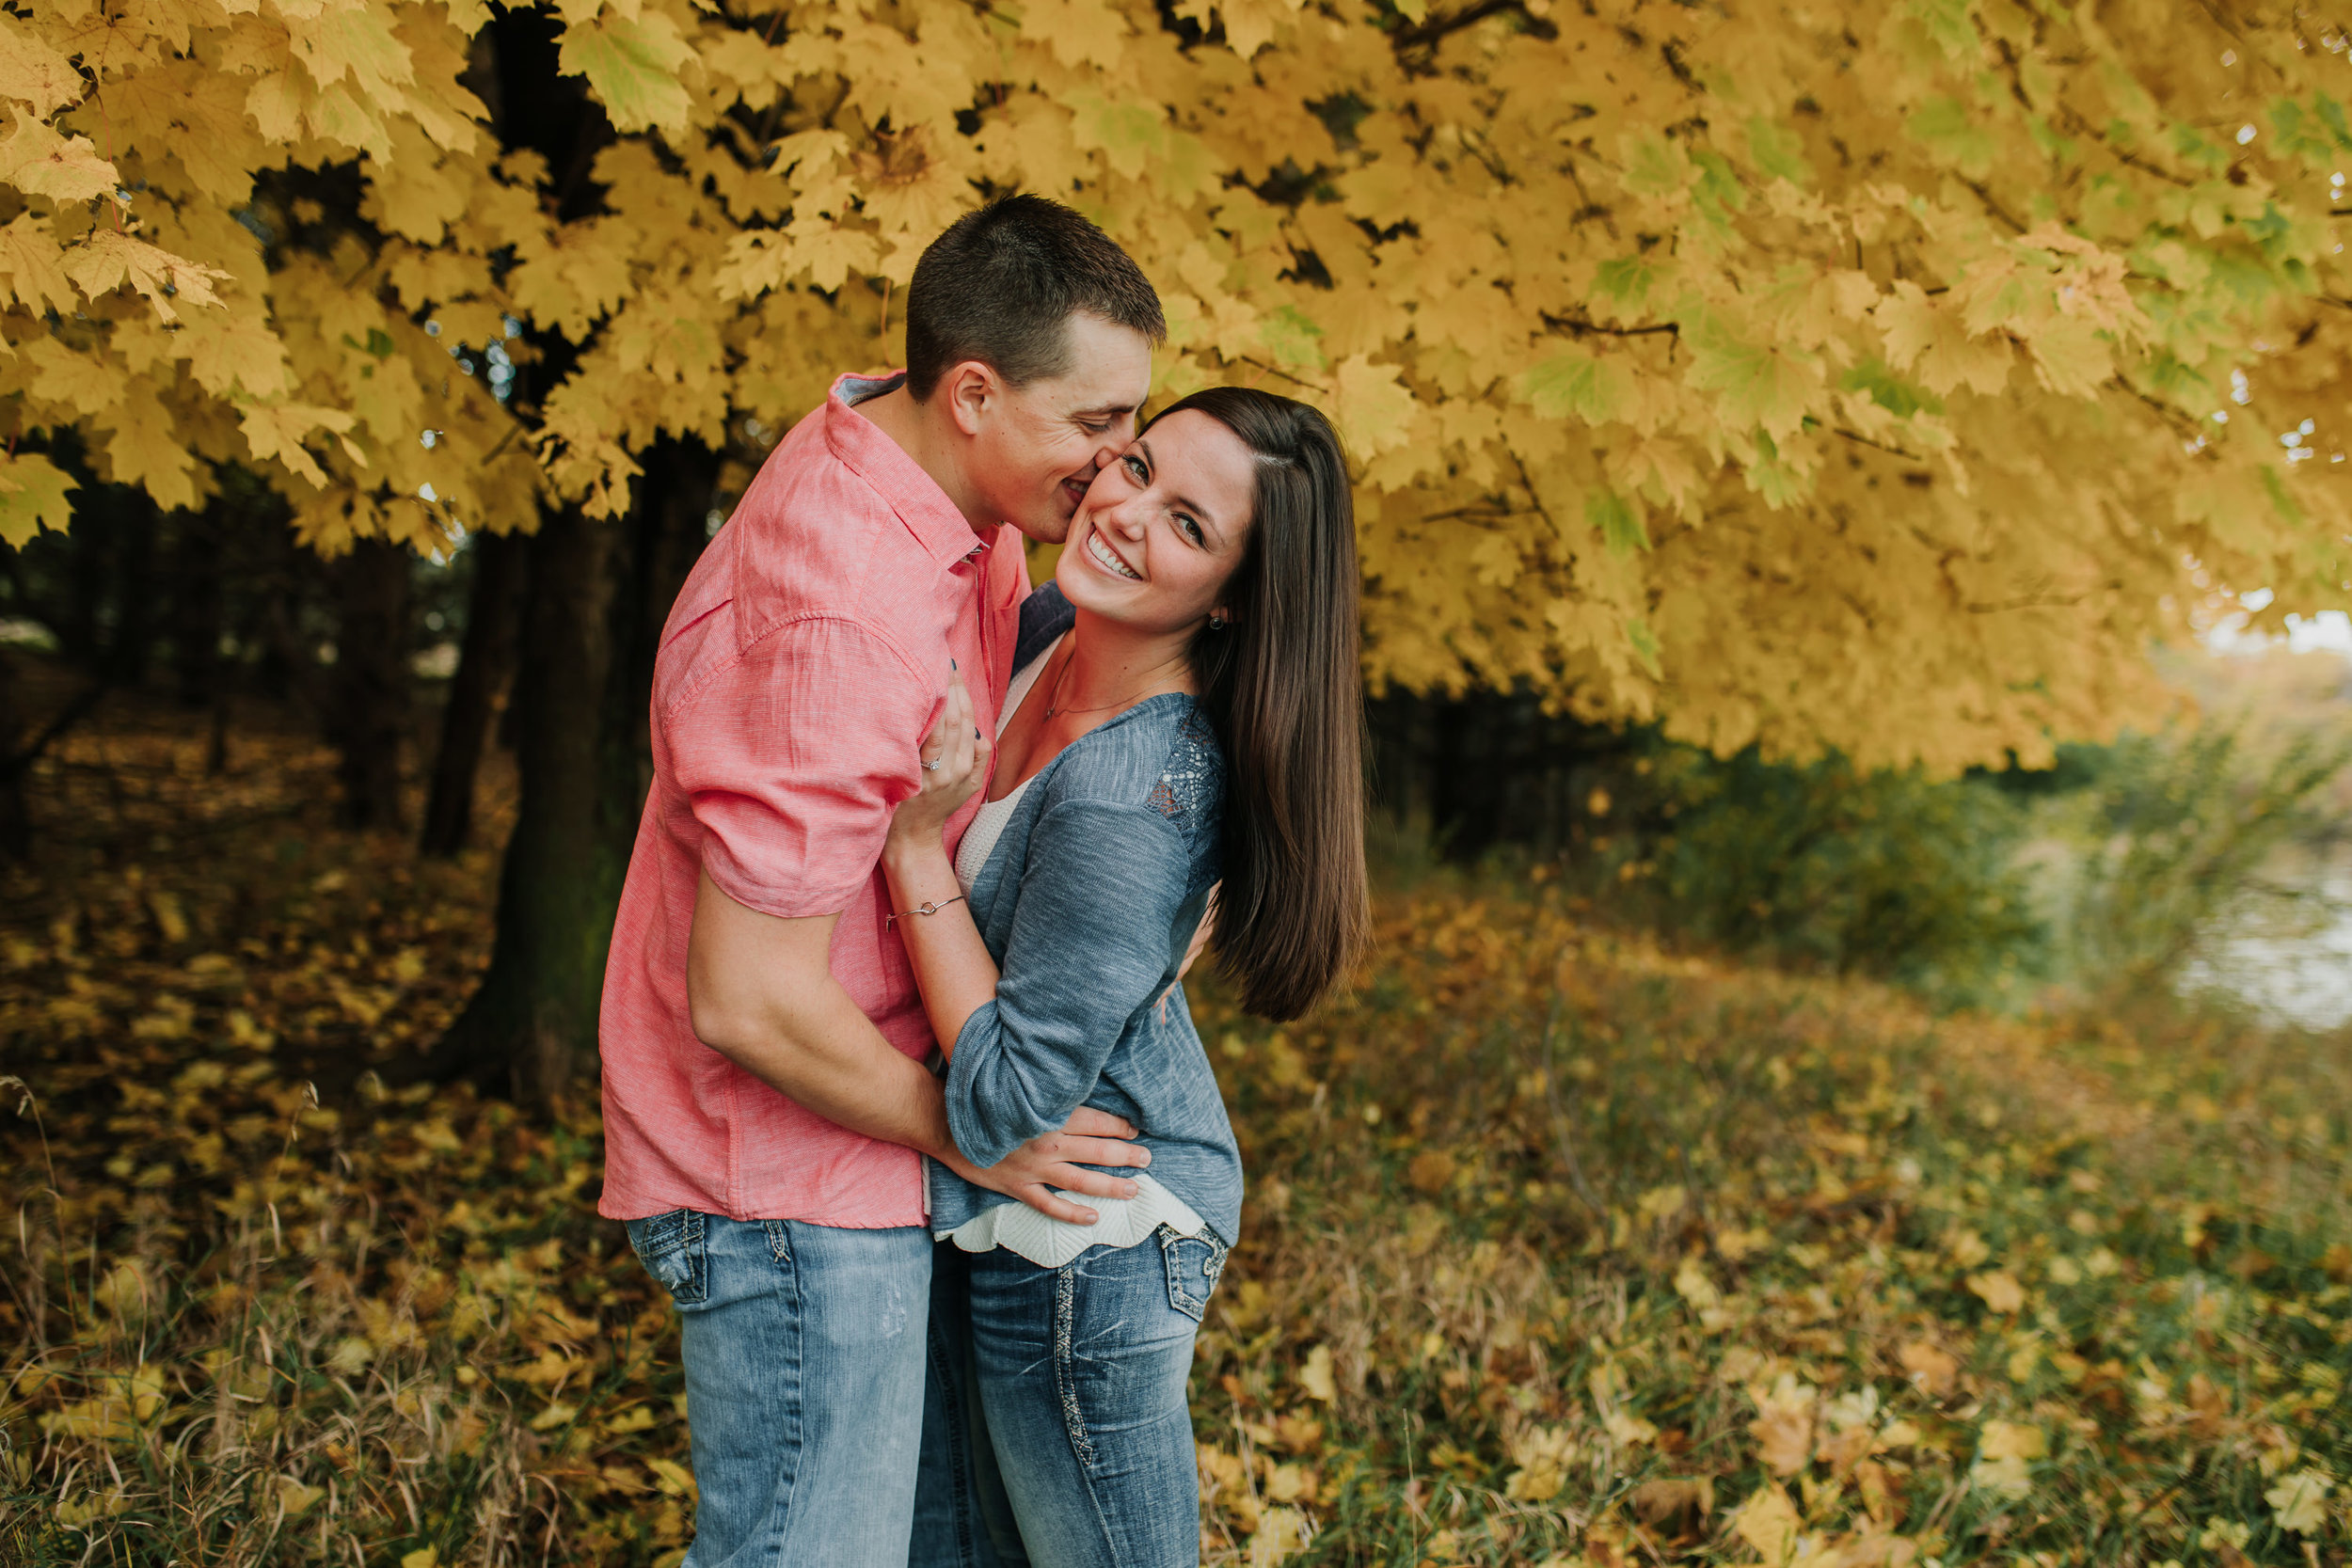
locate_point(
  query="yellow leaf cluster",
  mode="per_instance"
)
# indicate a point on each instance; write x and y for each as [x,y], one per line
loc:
[1665,402]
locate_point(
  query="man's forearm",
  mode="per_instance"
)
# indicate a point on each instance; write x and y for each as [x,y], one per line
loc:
[828,1057]
[763,995]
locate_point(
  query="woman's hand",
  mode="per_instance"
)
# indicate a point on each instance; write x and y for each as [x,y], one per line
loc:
[956,758]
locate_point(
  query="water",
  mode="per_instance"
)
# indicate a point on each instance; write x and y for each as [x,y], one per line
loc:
[2304,978]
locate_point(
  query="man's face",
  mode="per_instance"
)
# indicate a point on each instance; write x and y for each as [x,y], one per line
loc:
[1039,446]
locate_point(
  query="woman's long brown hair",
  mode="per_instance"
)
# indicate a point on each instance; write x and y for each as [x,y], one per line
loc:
[1283,686]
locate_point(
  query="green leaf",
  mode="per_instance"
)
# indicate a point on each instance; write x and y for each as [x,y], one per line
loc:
[1131,134]
[1626,282]
[2288,509]
[1654,166]
[1645,645]
[1950,24]
[32,498]
[1760,383]
[2330,114]
[1778,151]
[633,66]
[1578,381]
[1719,192]
[1620,526]
[1289,336]
[1888,390]
[1946,128]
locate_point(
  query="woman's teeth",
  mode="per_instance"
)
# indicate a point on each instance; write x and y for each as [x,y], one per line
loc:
[1109,562]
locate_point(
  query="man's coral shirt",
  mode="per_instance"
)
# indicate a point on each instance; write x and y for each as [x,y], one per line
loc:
[800,668]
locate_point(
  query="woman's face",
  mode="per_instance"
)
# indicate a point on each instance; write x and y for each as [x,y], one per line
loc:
[1162,527]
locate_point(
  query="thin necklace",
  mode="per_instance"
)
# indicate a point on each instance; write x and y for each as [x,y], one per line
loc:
[1052,702]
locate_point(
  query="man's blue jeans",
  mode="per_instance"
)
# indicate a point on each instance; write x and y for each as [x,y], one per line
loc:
[804,1350]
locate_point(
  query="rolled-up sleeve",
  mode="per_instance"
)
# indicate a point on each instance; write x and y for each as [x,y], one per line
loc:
[1091,944]
[792,759]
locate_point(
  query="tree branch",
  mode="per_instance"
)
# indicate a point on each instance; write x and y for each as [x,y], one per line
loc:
[1578,325]
[2042,601]
[1858,438]
[1429,34]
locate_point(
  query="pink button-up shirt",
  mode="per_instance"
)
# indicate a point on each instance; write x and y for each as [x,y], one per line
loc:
[800,668]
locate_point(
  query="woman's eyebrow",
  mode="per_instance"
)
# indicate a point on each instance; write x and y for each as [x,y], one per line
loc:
[1206,517]
[1151,464]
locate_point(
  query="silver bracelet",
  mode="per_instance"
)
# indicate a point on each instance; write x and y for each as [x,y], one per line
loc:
[922,909]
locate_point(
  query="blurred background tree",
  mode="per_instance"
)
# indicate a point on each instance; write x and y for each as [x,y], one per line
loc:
[1875,380]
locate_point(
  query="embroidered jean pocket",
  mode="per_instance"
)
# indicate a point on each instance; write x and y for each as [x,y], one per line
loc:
[1194,1263]
[671,1248]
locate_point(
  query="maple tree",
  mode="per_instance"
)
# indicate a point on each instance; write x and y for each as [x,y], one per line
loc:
[1884,378]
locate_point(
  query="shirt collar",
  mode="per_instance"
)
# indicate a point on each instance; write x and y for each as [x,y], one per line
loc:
[913,494]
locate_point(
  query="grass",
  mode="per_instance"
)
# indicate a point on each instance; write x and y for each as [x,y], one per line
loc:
[1563,1246]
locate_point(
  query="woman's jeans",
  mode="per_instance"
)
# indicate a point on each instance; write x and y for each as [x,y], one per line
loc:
[805,1354]
[1077,1451]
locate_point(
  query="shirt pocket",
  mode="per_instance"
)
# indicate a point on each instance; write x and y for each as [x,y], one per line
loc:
[1194,1263]
[671,1248]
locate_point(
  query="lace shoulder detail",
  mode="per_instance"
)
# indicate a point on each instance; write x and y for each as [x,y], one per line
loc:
[1191,788]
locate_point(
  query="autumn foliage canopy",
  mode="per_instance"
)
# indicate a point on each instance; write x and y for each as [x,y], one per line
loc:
[1878,376]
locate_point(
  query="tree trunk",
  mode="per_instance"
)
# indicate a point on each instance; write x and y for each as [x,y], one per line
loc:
[595,598]
[16,825]
[198,603]
[485,659]
[371,680]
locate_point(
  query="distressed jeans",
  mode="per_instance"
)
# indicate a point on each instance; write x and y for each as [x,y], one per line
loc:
[803,1347]
[1058,1433]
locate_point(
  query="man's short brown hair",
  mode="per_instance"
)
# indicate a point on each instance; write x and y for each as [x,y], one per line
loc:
[1002,283]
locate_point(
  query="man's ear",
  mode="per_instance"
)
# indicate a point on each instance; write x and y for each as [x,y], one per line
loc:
[969,389]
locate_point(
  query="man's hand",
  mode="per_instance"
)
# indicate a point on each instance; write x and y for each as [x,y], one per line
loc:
[1055,1160]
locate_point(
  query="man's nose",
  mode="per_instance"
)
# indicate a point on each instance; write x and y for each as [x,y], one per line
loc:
[1113,441]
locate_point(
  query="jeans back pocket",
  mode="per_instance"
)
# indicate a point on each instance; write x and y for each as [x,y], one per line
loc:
[1194,1263]
[671,1248]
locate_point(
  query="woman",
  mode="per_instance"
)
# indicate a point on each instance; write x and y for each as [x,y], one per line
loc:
[1200,719]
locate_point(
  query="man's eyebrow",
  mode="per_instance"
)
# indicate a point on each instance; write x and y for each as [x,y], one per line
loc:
[1103,408]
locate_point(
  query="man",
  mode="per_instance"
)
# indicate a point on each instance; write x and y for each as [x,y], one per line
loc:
[764,1094]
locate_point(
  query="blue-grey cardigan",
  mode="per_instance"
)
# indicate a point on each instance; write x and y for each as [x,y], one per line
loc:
[1087,903]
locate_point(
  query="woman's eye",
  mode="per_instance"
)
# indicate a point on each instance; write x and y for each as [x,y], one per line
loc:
[1192,528]
[1135,468]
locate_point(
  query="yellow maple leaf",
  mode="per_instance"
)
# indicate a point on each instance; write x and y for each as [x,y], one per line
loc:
[32,498]
[32,71]
[39,162]
[1931,341]
[1770,1522]
[34,263]
[1375,411]
[297,1498]
[107,260]
[1999,1289]
[635,67]
[2298,1500]
[278,429]
[1079,32]
[1315,1376]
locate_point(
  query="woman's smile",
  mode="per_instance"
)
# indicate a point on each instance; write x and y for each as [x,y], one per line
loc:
[1099,551]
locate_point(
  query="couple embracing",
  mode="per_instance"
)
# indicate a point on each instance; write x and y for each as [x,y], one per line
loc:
[903,1103]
